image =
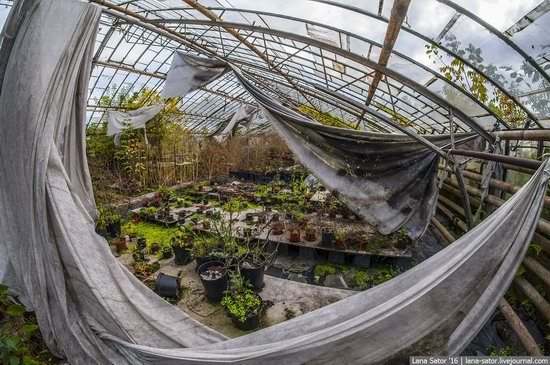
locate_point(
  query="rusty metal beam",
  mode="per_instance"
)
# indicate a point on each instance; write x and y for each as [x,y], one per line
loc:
[398,13]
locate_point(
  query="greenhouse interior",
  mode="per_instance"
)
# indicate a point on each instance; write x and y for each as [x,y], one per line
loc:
[274,182]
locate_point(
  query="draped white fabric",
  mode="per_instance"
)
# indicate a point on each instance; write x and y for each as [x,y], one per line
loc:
[188,73]
[242,116]
[135,119]
[91,310]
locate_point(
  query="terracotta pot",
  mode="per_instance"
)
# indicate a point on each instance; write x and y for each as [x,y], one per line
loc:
[278,229]
[341,244]
[310,235]
[294,235]
[120,244]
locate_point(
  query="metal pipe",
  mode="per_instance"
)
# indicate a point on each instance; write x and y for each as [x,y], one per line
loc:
[524,134]
[494,183]
[515,161]
[534,296]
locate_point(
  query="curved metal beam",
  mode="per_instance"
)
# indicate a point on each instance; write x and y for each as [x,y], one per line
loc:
[354,57]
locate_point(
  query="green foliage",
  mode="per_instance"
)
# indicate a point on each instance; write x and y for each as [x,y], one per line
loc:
[536,249]
[106,217]
[152,233]
[475,83]
[206,245]
[385,273]
[528,308]
[521,271]
[324,269]
[237,205]
[503,351]
[242,304]
[183,237]
[20,340]
[362,280]
[325,118]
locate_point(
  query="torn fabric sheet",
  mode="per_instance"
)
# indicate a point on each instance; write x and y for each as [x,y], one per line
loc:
[135,119]
[388,180]
[91,310]
[242,116]
[50,255]
[188,73]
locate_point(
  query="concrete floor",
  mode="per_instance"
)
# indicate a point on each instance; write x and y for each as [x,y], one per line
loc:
[289,298]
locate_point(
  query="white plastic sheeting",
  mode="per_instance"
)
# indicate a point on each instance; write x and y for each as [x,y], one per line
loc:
[242,116]
[188,73]
[93,311]
[135,119]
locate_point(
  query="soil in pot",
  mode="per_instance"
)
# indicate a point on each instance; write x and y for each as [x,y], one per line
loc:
[213,275]
[252,269]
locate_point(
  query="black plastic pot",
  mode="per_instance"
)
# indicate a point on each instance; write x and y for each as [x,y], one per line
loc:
[254,275]
[326,238]
[167,286]
[183,255]
[201,260]
[214,289]
[114,229]
[249,323]
[141,242]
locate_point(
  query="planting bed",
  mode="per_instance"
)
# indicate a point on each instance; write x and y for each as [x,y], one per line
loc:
[313,250]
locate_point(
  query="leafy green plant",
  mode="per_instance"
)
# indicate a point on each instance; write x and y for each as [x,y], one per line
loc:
[206,245]
[20,340]
[152,233]
[242,305]
[340,235]
[183,237]
[324,269]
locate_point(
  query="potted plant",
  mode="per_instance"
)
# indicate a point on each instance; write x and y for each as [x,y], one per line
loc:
[203,248]
[294,234]
[278,229]
[362,241]
[166,252]
[213,275]
[113,225]
[245,308]
[340,239]
[120,244]
[182,243]
[252,266]
[310,233]
[142,269]
[327,235]
[153,248]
